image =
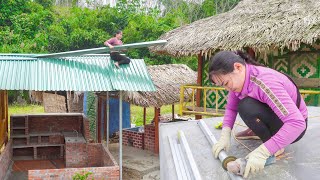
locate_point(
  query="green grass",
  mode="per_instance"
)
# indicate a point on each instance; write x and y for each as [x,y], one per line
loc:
[26,109]
[23,109]
[137,113]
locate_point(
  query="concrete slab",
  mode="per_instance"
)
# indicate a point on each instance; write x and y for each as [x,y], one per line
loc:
[18,176]
[303,162]
[136,162]
[20,168]
[155,175]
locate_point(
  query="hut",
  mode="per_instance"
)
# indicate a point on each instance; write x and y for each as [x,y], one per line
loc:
[283,35]
[167,80]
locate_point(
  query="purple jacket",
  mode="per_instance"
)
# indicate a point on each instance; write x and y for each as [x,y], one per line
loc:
[276,90]
[114,41]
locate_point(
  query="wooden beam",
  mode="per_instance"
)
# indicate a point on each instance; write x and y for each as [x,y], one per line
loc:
[172,112]
[144,115]
[307,82]
[156,124]
[3,117]
[98,125]
[104,119]
[251,53]
[199,82]
[144,123]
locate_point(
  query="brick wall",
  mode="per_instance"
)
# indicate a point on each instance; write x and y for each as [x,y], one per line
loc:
[54,123]
[97,153]
[79,155]
[86,129]
[48,152]
[132,138]
[108,159]
[149,137]
[5,160]
[99,173]
[56,139]
[76,155]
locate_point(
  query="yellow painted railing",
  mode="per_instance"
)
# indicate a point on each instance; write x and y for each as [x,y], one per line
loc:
[188,104]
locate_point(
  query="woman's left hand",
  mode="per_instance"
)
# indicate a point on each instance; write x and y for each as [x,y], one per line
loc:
[256,160]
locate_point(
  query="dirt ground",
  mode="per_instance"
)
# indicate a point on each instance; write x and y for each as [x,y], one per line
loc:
[137,163]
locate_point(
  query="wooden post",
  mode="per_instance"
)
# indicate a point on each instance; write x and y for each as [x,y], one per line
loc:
[172,112]
[98,125]
[107,118]
[6,115]
[3,117]
[104,119]
[251,53]
[144,115]
[156,124]
[199,83]
[144,123]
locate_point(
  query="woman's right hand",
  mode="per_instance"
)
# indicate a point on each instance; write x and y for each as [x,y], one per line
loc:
[111,47]
[223,143]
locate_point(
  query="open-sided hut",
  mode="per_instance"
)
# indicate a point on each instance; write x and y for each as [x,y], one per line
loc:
[167,80]
[284,35]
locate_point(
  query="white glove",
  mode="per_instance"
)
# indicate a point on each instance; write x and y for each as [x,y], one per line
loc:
[223,143]
[256,160]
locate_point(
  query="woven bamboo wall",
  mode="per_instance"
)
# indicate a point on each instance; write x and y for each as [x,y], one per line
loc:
[304,63]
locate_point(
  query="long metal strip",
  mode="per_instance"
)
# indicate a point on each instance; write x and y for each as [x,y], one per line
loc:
[190,160]
[177,161]
[212,140]
[102,49]
[184,163]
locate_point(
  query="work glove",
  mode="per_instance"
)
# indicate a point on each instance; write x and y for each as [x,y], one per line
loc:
[256,160]
[223,143]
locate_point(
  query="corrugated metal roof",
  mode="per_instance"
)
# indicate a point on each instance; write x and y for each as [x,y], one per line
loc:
[82,73]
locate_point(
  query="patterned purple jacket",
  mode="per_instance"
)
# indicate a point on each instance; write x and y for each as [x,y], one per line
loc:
[276,90]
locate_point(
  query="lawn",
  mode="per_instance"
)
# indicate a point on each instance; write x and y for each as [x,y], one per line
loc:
[25,109]
[136,112]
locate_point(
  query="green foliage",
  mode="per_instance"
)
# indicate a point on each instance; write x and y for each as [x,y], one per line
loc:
[81,176]
[14,95]
[45,3]
[10,8]
[38,26]
[209,8]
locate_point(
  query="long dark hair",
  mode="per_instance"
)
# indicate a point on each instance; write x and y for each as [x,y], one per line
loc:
[117,32]
[223,61]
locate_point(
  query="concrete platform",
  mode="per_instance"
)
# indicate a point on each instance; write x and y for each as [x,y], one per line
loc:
[302,160]
[137,163]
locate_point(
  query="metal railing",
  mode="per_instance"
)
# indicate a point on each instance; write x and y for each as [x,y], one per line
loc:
[188,104]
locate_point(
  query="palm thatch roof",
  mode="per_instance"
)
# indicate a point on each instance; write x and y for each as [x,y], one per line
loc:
[259,24]
[167,79]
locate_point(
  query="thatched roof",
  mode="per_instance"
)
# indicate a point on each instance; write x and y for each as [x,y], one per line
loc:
[167,79]
[259,24]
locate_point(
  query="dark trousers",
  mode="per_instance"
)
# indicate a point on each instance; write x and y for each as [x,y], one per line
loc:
[116,56]
[260,118]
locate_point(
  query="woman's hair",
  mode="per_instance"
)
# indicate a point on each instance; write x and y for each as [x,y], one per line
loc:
[223,61]
[117,32]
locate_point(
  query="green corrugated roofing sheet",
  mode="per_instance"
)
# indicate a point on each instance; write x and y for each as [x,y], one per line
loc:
[82,73]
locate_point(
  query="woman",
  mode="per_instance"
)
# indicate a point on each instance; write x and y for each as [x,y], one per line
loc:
[267,101]
[115,55]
